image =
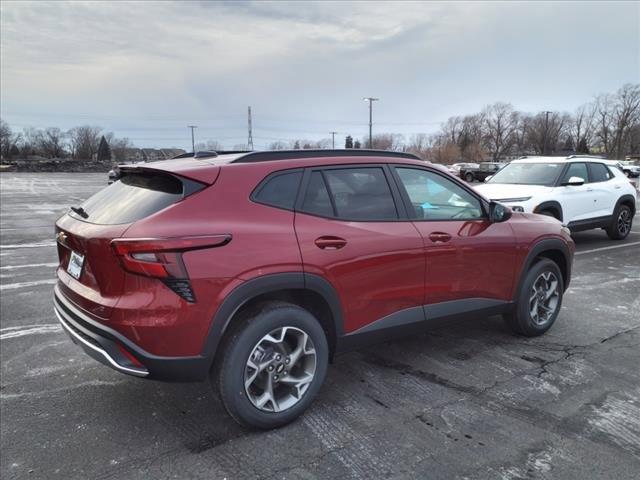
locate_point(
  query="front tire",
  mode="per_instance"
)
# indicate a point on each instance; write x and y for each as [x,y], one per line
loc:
[272,366]
[468,177]
[539,300]
[621,223]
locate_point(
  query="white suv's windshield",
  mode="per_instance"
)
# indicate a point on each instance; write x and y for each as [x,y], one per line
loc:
[528,174]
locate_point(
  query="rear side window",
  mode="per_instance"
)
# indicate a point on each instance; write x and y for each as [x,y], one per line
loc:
[133,197]
[599,172]
[361,194]
[280,190]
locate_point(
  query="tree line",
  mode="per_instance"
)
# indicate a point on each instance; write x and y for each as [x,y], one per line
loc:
[607,125]
[83,143]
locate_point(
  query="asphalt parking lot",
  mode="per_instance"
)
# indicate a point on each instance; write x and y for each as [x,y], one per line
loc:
[466,401]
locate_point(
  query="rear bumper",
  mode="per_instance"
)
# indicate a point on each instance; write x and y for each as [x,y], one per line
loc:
[114,350]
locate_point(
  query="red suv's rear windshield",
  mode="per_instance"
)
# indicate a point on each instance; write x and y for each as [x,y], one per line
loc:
[133,197]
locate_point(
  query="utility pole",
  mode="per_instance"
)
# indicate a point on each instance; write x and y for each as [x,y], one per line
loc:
[333,140]
[250,139]
[193,141]
[370,100]
[546,130]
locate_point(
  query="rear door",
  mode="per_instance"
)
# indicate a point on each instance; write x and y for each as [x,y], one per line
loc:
[605,189]
[353,231]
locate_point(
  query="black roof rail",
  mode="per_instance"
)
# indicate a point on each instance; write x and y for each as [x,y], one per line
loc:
[209,153]
[587,156]
[266,156]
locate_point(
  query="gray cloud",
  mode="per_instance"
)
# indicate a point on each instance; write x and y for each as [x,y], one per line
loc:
[146,69]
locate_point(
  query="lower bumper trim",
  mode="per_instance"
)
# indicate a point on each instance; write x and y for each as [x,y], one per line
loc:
[96,352]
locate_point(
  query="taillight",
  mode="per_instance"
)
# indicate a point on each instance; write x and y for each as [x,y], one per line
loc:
[162,258]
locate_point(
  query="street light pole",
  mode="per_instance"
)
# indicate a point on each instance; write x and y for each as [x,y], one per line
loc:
[333,140]
[370,100]
[546,130]
[193,141]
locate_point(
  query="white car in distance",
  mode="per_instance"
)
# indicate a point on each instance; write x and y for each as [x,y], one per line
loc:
[582,192]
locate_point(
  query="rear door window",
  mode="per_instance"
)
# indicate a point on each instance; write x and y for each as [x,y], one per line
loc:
[361,194]
[133,197]
[599,172]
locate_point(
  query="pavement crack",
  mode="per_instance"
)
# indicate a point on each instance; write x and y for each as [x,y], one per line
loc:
[615,335]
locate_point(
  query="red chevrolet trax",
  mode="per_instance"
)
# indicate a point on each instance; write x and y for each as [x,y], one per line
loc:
[254,269]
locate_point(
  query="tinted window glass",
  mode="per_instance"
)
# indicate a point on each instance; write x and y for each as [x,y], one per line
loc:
[576,170]
[361,194]
[131,198]
[316,199]
[435,197]
[528,173]
[599,172]
[281,190]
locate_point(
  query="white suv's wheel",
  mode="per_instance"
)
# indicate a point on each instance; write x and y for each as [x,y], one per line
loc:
[621,223]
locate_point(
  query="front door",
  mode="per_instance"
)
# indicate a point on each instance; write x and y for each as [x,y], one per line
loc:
[470,261]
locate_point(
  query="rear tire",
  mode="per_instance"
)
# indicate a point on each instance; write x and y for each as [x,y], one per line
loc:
[539,300]
[272,365]
[621,223]
[468,177]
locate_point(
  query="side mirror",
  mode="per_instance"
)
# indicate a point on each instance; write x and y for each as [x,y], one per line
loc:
[498,212]
[574,182]
[487,178]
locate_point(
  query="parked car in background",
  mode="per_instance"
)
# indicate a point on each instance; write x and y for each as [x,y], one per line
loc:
[456,167]
[481,172]
[631,169]
[254,269]
[582,192]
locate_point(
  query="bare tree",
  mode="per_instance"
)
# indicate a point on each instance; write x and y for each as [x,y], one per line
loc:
[500,124]
[119,147]
[582,126]
[84,141]
[626,114]
[8,140]
[51,142]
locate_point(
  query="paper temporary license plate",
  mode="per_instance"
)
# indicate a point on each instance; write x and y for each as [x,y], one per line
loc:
[75,265]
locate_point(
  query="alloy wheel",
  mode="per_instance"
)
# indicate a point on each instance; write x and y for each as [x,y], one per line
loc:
[280,369]
[624,222]
[544,298]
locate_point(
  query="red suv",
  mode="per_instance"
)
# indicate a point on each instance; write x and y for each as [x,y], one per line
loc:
[254,269]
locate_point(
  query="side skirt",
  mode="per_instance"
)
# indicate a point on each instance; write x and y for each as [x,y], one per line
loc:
[421,319]
[590,223]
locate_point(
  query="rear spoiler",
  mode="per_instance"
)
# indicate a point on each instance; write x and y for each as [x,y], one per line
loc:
[187,168]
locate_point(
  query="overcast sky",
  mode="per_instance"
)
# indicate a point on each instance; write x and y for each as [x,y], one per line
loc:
[145,70]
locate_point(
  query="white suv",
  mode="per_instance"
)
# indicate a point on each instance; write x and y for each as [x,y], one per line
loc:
[582,192]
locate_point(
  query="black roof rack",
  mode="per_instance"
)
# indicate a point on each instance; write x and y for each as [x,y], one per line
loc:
[209,153]
[266,156]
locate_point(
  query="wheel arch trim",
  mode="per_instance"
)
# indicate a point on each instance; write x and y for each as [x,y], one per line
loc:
[627,198]
[550,205]
[546,245]
[255,287]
